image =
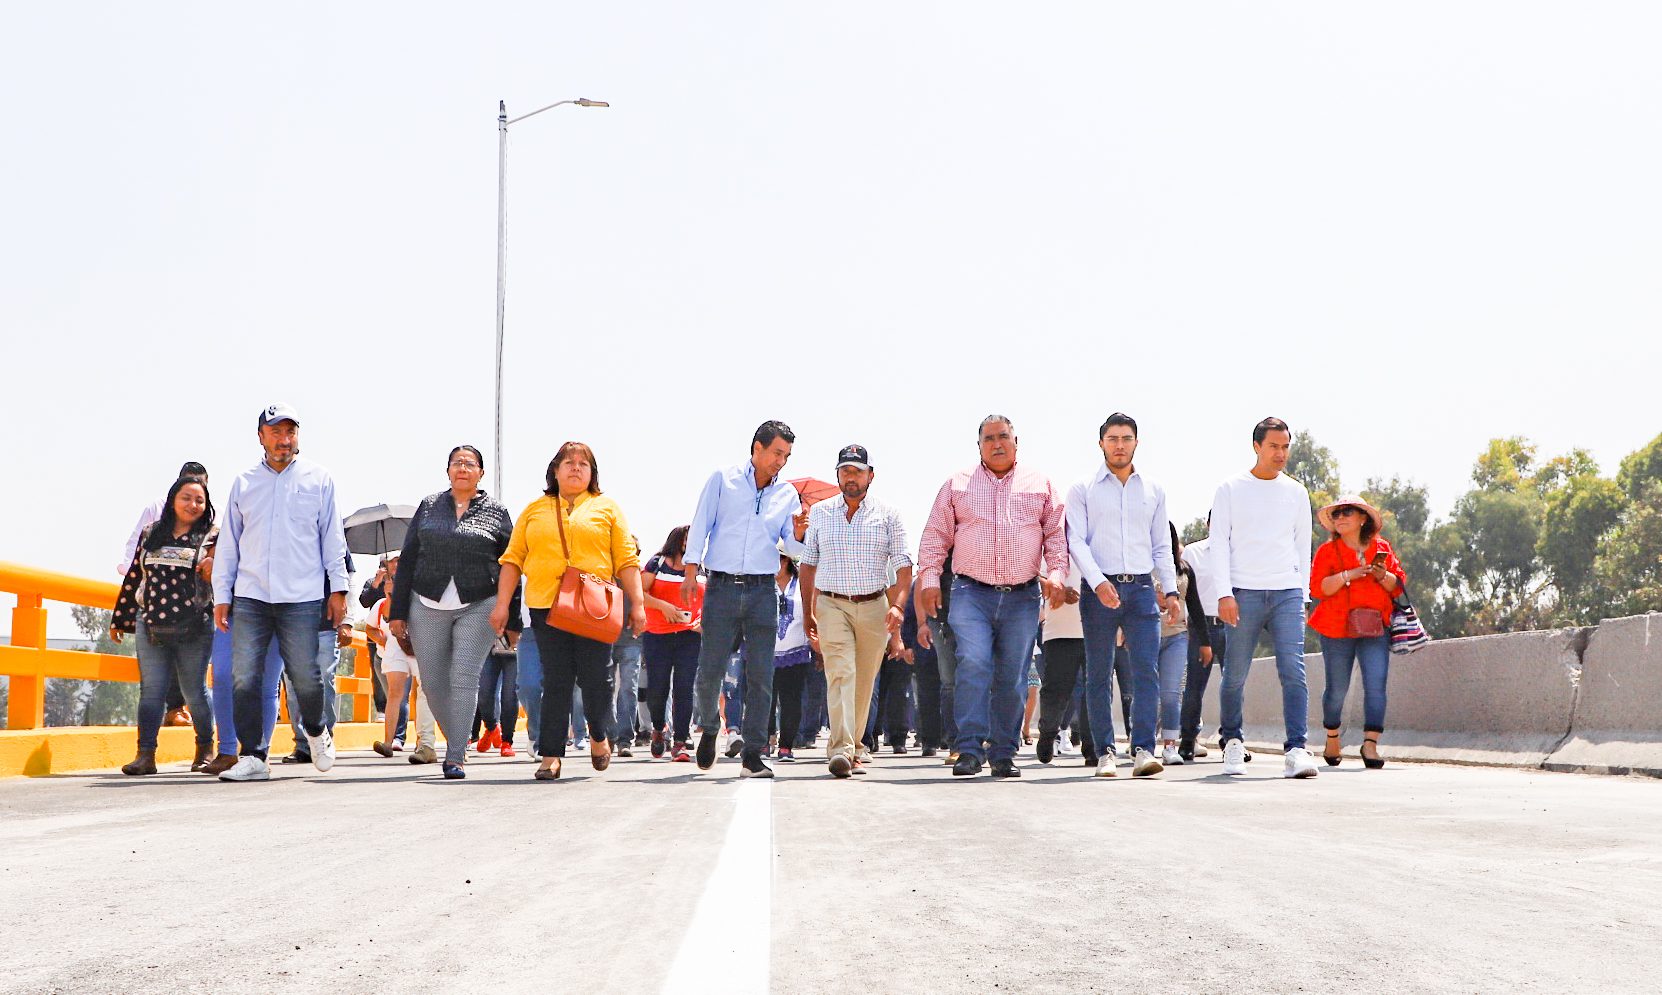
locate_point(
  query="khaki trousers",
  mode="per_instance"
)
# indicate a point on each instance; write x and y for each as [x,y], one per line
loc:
[852,638]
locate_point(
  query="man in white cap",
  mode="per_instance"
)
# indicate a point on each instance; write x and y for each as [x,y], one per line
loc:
[856,574]
[280,542]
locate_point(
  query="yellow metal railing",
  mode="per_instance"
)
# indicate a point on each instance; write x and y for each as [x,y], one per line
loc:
[29,663]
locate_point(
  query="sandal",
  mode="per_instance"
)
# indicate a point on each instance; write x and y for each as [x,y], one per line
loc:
[548,774]
[600,753]
[1376,761]
[1332,741]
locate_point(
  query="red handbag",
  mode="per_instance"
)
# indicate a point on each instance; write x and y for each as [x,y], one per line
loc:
[1361,623]
[586,606]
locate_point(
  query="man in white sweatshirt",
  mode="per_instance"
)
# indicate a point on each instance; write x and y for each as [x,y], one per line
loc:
[1260,558]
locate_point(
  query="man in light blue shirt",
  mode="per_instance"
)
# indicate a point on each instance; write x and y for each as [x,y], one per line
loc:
[1120,538]
[280,540]
[745,515]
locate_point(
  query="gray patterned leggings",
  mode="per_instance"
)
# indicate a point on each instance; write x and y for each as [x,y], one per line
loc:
[452,646]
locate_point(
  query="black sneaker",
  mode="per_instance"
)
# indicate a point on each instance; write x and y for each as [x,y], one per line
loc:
[1047,747]
[297,758]
[706,750]
[1006,768]
[755,765]
[968,765]
[1186,749]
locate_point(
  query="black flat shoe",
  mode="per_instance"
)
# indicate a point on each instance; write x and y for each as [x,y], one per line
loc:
[706,750]
[967,766]
[1047,747]
[551,774]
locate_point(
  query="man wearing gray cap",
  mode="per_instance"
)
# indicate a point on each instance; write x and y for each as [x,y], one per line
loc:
[280,541]
[856,573]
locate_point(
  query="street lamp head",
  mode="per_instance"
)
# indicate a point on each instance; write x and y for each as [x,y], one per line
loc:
[586,102]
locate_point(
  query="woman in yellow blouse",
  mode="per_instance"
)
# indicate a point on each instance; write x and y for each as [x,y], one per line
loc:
[600,545]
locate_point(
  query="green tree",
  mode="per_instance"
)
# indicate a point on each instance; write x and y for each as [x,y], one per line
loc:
[97,703]
[1579,517]
[1425,554]
[1193,532]
[1640,468]
[1628,569]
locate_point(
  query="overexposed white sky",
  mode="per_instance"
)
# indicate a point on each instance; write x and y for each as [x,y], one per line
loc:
[1406,228]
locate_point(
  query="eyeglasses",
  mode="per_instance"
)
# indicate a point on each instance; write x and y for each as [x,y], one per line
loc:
[464,464]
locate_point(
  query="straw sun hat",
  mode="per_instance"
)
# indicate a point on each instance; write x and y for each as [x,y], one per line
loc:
[1325,515]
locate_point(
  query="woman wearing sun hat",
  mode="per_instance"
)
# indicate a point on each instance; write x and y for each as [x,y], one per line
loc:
[1354,576]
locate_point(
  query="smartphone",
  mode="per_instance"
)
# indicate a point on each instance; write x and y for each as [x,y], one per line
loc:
[1379,558]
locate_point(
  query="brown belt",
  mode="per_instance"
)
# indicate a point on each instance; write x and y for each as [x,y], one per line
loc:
[856,598]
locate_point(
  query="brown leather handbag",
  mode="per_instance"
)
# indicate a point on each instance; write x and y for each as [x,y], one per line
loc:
[1362,623]
[586,606]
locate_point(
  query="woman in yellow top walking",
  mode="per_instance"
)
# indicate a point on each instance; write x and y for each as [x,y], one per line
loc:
[601,545]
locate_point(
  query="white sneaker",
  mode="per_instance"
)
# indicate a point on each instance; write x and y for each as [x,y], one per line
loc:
[1105,766]
[1065,747]
[1234,757]
[248,769]
[1144,764]
[1169,756]
[323,750]
[1299,763]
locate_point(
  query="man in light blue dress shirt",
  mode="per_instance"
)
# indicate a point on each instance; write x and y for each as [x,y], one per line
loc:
[1120,538]
[280,540]
[746,514]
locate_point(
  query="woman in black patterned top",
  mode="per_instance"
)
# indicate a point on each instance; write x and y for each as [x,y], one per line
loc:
[166,601]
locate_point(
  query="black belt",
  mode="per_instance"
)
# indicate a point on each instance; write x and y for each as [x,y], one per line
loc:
[998,587]
[856,598]
[740,578]
[1214,620]
[1131,578]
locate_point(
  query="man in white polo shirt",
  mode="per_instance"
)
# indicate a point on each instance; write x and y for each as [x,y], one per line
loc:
[1260,558]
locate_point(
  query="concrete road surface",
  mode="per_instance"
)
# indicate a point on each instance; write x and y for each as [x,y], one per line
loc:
[380,877]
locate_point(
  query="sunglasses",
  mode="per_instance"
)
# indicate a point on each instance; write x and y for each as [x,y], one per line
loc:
[1347,510]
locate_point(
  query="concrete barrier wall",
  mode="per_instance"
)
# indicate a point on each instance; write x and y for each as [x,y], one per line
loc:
[1567,699]
[1617,728]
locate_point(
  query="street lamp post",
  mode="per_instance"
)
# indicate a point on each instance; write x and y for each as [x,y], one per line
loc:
[502,123]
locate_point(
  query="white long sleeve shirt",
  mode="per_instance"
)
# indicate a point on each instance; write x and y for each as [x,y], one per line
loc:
[1196,555]
[152,513]
[1260,535]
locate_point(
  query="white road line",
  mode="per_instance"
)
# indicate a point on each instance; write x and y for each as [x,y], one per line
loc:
[728,945]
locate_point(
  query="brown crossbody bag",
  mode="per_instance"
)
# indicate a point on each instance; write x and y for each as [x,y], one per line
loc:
[1362,623]
[586,606]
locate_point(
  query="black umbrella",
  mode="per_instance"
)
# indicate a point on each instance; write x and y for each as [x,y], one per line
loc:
[379,528]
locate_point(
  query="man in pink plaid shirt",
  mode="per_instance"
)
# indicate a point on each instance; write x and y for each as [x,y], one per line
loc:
[1003,525]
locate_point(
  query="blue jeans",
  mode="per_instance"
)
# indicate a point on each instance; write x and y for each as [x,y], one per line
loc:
[732,692]
[294,628]
[225,720]
[1339,655]
[186,661]
[671,662]
[994,636]
[499,694]
[1138,617]
[1174,662]
[945,643]
[328,660]
[530,685]
[627,660]
[736,613]
[1282,613]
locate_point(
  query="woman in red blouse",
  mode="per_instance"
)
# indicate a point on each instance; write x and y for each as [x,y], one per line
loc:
[1354,576]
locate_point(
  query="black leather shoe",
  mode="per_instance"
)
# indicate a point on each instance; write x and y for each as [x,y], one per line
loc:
[1186,749]
[706,750]
[928,751]
[1047,747]
[1006,768]
[297,758]
[967,766]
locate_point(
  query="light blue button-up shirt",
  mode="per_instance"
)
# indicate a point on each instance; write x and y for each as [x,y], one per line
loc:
[280,536]
[737,529]
[1116,528]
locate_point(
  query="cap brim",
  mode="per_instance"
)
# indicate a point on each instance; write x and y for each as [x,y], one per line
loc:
[863,466]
